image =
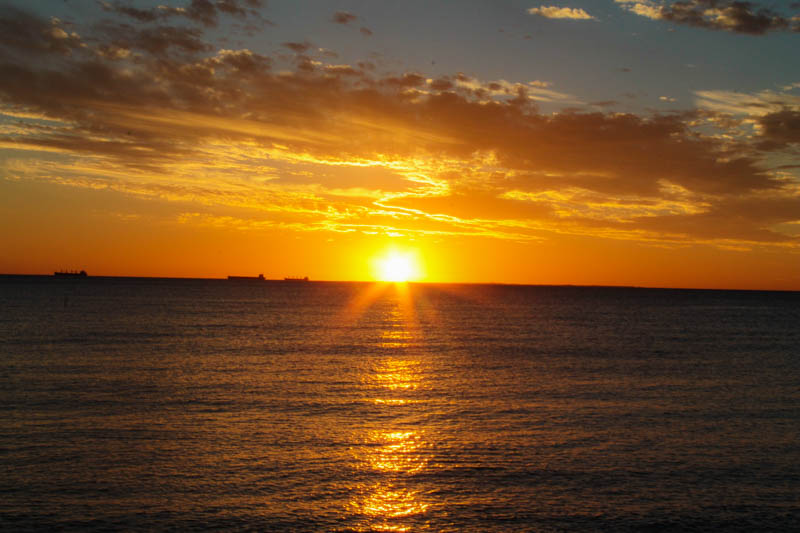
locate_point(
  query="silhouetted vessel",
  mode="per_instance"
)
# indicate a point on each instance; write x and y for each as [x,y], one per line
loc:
[260,277]
[290,278]
[70,274]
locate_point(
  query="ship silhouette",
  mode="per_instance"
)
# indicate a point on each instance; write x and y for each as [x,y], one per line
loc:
[70,274]
[260,277]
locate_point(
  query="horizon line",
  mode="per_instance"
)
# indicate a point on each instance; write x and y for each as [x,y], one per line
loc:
[417,282]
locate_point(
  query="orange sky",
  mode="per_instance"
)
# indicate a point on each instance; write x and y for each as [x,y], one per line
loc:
[143,143]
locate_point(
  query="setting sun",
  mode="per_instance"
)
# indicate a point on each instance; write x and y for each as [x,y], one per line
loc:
[397,266]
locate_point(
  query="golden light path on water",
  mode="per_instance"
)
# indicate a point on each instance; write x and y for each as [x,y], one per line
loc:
[397,451]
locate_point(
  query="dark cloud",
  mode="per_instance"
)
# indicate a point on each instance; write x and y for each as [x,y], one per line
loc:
[610,153]
[202,11]
[343,17]
[205,12]
[161,39]
[243,62]
[299,48]
[441,84]
[781,128]
[142,15]
[748,219]
[231,7]
[735,16]
[407,80]
[30,34]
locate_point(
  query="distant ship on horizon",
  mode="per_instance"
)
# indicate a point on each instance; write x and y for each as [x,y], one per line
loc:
[70,274]
[260,277]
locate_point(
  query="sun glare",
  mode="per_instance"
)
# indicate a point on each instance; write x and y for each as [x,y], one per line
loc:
[397,266]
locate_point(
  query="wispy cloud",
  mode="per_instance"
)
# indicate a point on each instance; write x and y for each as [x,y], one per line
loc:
[751,104]
[498,89]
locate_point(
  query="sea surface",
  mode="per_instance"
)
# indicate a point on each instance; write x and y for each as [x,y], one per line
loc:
[157,404]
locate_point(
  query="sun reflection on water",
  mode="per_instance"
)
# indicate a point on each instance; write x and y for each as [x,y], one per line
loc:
[392,401]
[395,339]
[396,374]
[387,504]
[400,451]
[388,501]
[390,456]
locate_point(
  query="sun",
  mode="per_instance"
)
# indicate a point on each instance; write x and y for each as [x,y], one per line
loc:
[397,266]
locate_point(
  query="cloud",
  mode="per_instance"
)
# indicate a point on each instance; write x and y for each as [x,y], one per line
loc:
[342,70]
[781,128]
[523,92]
[205,12]
[729,15]
[33,35]
[341,147]
[750,104]
[735,16]
[644,8]
[142,15]
[743,220]
[299,48]
[554,12]
[343,17]
[409,79]
[159,40]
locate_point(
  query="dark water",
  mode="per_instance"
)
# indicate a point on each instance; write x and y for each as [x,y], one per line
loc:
[192,404]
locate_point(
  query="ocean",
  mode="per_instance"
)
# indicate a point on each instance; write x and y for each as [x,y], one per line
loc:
[168,404]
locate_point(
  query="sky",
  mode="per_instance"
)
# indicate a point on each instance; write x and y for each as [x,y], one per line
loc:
[588,142]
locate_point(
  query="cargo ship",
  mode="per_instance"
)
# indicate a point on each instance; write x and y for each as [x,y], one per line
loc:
[70,274]
[260,277]
[295,279]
